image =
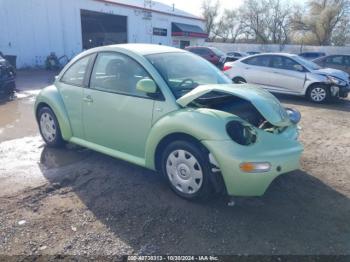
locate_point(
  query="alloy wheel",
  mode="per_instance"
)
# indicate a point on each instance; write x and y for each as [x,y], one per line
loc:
[318,94]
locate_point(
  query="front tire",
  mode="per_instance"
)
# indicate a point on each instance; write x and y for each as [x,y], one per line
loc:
[187,170]
[49,128]
[318,94]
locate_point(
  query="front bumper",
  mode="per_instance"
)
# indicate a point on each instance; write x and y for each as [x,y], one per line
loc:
[340,91]
[281,152]
[344,91]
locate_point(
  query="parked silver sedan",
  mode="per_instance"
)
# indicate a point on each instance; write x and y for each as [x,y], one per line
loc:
[290,74]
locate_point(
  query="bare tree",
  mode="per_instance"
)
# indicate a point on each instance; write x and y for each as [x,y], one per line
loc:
[266,20]
[229,26]
[278,21]
[341,34]
[320,20]
[253,15]
[210,12]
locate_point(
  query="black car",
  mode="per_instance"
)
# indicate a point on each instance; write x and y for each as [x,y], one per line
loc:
[253,52]
[312,55]
[7,77]
[341,62]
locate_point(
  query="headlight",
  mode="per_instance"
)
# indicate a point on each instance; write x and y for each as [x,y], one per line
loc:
[336,81]
[241,133]
[294,115]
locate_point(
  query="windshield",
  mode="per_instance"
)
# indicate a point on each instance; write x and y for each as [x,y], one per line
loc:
[218,52]
[308,64]
[185,71]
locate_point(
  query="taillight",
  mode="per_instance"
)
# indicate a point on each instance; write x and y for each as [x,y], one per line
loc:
[226,67]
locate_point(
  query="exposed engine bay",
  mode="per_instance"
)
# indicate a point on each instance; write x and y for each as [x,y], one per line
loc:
[234,105]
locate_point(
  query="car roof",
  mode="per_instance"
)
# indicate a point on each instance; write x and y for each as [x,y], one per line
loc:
[141,49]
[312,53]
[273,54]
[187,47]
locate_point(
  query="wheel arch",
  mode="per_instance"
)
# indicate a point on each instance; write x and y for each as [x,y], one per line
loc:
[239,77]
[177,136]
[187,124]
[315,84]
[216,179]
[50,97]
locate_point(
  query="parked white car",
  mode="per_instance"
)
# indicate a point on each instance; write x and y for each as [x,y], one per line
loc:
[290,74]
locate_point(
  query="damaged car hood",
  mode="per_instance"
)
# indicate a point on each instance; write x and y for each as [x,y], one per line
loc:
[333,72]
[267,105]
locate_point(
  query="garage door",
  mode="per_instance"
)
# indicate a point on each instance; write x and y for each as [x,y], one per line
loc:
[99,29]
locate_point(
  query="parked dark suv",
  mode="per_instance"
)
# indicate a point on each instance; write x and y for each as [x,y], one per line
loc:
[341,62]
[212,54]
[7,77]
[312,55]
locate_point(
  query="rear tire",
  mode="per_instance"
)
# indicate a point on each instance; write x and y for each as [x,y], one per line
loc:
[49,127]
[187,170]
[239,80]
[318,94]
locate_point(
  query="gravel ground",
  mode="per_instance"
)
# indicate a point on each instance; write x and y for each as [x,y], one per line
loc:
[74,201]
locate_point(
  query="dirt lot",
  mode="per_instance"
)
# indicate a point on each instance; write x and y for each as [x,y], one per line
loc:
[78,202]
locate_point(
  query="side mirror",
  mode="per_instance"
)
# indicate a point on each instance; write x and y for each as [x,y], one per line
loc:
[299,68]
[147,86]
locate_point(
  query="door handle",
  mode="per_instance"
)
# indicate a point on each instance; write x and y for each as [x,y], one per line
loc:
[88,99]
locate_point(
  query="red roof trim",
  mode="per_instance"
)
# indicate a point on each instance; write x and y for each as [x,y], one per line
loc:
[190,34]
[147,9]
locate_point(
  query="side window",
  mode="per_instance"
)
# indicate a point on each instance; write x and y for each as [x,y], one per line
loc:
[285,63]
[117,73]
[335,60]
[277,62]
[198,51]
[347,60]
[258,61]
[206,52]
[289,64]
[194,50]
[76,73]
[250,61]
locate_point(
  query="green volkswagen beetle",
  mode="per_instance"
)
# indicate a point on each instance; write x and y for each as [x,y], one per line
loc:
[171,111]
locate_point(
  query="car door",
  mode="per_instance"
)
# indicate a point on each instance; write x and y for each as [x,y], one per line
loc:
[115,114]
[288,76]
[71,87]
[256,70]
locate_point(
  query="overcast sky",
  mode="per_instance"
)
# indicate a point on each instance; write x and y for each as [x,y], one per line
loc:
[194,6]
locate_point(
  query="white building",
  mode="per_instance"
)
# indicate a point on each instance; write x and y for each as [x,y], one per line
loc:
[32,29]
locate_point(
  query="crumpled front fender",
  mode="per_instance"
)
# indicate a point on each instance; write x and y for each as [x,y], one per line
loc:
[201,124]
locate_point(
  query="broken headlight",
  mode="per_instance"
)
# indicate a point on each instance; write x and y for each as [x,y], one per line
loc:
[335,81]
[241,133]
